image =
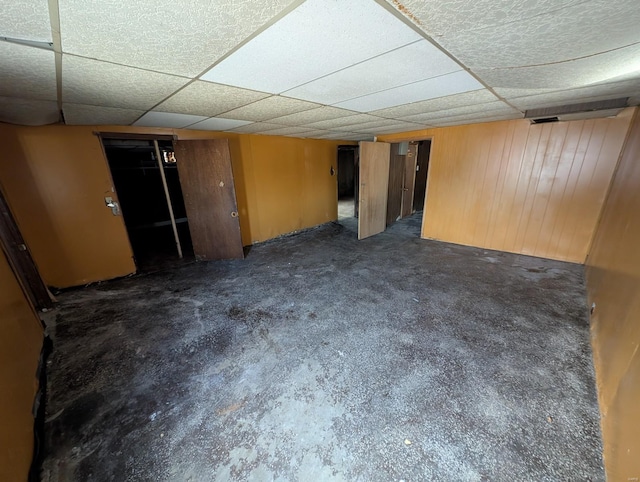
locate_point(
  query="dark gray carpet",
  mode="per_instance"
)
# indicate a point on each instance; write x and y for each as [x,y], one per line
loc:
[323,358]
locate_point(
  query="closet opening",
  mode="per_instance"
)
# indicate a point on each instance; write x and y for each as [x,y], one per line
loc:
[145,177]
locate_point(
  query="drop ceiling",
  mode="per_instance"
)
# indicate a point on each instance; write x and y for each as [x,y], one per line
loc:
[327,69]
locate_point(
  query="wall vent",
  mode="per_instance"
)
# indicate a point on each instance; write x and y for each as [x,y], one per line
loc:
[584,110]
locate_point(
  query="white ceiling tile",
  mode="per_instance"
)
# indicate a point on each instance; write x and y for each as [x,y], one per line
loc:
[28,112]
[167,119]
[439,103]
[448,84]
[182,38]
[490,108]
[460,120]
[317,38]
[345,121]
[86,81]
[438,18]
[579,30]
[78,114]
[534,98]
[417,61]
[616,66]
[209,99]
[274,106]
[218,124]
[27,72]
[289,131]
[347,136]
[26,20]
[257,127]
[390,128]
[311,116]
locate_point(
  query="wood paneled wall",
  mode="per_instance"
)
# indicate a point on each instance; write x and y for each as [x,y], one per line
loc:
[613,284]
[520,187]
[20,344]
[56,177]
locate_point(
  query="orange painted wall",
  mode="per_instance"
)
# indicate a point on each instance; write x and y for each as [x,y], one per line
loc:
[517,187]
[613,283]
[20,344]
[56,178]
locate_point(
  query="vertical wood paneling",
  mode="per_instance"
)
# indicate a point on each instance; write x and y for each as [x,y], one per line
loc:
[613,284]
[534,189]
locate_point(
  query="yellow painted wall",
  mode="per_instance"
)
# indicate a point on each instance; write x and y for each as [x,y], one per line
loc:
[56,178]
[20,344]
[518,187]
[613,283]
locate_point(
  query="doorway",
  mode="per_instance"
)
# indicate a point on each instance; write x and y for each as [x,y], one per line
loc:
[395,185]
[347,182]
[145,177]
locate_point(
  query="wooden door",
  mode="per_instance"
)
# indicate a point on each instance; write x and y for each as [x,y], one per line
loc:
[409,181]
[394,191]
[206,178]
[20,259]
[374,182]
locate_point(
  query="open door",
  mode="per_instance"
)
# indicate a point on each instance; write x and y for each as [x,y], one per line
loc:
[409,181]
[14,247]
[374,183]
[206,177]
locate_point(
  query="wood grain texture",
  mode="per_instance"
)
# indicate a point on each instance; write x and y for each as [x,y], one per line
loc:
[374,179]
[613,284]
[19,256]
[20,343]
[394,190]
[409,180]
[207,184]
[534,189]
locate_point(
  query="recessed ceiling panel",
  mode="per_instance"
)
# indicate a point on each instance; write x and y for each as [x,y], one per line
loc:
[311,116]
[490,108]
[345,121]
[456,121]
[532,98]
[289,131]
[274,106]
[448,84]
[439,103]
[92,82]
[209,99]
[616,66]
[257,127]
[166,119]
[388,128]
[218,124]
[439,18]
[317,38]
[27,72]
[26,20]
[577,31]
[78,114]
[182,38]
[28,112]
[417,61]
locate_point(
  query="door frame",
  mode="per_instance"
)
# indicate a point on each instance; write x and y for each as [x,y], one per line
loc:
[17,252]
[154,138]
[426,191]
